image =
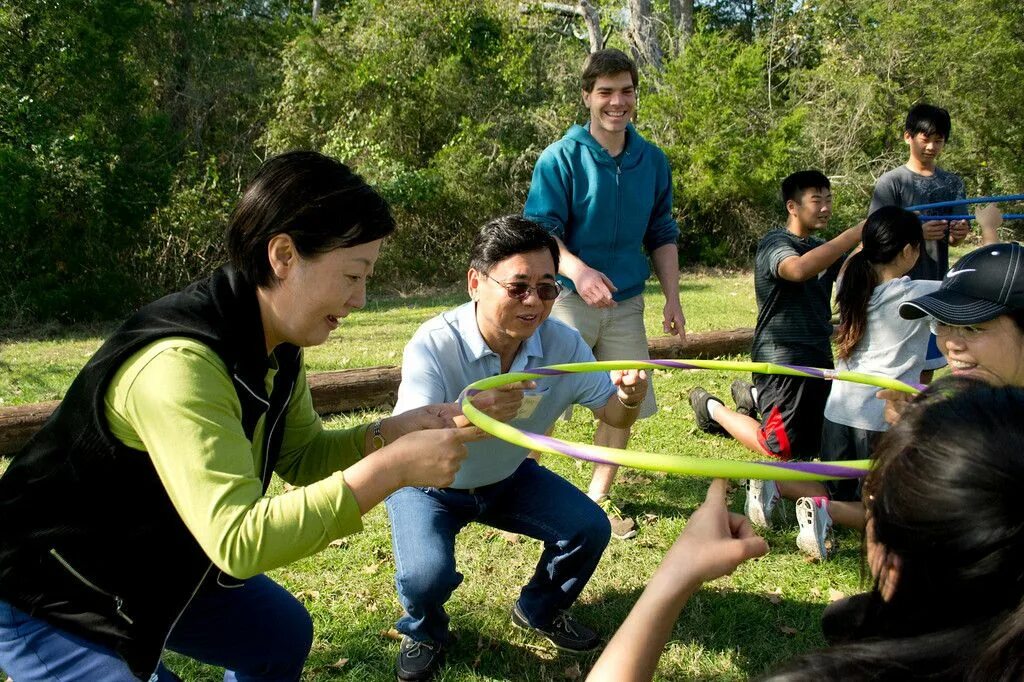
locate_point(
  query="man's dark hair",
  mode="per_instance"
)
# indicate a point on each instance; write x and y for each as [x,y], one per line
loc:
[508,236]
[606,63]
[928,119]
[318,201]
[793,187]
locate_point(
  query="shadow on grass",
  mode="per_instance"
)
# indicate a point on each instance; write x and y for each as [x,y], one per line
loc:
[751,631]
[754,632]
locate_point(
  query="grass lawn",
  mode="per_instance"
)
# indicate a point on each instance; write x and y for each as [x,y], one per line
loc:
[735,628]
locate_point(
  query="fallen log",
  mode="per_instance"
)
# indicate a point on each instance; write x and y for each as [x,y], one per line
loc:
[355,389]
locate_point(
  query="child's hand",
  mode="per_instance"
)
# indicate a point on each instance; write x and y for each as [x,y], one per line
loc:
[989,217]
[714,542]
[934,229]
[958,230]
[896,403]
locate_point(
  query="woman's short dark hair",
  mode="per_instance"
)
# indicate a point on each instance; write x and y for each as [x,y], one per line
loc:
[318,201]
[508,236]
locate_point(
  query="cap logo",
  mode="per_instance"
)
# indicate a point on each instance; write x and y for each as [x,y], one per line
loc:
[954,273]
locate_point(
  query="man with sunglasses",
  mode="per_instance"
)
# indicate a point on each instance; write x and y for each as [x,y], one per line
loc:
[505,327]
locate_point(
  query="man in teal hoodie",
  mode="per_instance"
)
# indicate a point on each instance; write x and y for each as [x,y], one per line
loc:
[606,194]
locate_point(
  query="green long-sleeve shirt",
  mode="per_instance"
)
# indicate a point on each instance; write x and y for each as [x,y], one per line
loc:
[175,402]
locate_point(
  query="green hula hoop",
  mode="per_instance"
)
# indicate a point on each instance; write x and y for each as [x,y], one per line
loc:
[675,464]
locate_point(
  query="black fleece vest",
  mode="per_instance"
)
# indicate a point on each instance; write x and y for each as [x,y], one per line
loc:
[89,540]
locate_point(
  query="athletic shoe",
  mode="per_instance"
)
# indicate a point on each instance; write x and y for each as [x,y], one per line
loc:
[699,402]
[742,395]
[815,536]
[565,632]
[762,496]
[418,660]
[623,527]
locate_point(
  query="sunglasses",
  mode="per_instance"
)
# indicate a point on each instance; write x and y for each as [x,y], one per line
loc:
[546,291]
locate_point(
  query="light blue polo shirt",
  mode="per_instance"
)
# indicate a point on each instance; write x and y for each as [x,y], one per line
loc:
[447,353]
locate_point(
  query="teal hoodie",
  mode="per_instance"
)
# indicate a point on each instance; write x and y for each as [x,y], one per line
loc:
[606,211]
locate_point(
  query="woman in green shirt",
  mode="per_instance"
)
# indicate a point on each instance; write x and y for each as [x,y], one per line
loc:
[137,519]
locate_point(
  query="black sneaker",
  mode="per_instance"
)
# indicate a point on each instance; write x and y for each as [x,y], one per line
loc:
[565,632]
[418,660]
[744,398]
[699,402]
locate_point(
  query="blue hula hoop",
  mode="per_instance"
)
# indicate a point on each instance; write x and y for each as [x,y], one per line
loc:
[964,202]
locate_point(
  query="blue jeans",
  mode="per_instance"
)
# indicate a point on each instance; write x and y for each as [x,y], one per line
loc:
[533,501]
[256,630]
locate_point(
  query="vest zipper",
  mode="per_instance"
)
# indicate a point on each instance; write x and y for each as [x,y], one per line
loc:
[118,602]
[251,392]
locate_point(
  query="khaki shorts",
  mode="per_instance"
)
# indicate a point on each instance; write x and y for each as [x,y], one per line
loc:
[612,333]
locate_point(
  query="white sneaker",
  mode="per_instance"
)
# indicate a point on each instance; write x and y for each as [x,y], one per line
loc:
[814,538]
[762,496]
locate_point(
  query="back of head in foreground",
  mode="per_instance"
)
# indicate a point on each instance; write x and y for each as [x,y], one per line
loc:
[944,504]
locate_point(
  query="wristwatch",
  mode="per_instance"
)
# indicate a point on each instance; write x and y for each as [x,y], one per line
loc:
[378,437]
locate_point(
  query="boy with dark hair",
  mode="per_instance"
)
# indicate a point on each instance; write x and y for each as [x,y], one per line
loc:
[605,193]
[793,277]
[920,181]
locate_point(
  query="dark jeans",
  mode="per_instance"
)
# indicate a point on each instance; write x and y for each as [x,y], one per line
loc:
[533,501]
[256,630]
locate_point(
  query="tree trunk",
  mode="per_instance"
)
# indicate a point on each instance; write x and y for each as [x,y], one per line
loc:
[316,10]
[593,22]
[642,35]
[682,18]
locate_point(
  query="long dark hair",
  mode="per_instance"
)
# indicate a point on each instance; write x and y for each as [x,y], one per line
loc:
[887,231]
[944,496]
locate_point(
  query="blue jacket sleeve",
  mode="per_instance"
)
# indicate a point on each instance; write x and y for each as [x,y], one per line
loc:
[662,228]
[550,195]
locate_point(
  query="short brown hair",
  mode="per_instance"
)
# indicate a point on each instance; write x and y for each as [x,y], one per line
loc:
[606,63]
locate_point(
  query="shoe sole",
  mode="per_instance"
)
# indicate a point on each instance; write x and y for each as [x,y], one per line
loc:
[756,512]
[805,538]
[743,409]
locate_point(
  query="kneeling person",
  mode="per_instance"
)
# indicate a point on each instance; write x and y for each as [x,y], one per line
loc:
[505,327]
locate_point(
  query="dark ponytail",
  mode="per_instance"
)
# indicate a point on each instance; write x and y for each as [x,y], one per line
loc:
[887,231]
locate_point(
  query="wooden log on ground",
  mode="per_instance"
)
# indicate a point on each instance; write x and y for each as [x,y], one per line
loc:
[371,387]
[18,424]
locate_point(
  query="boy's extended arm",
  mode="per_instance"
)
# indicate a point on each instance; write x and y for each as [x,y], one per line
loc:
[713,543]
[989,219]
[807,266]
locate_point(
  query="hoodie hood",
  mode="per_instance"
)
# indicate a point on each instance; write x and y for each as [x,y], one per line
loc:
[632,153]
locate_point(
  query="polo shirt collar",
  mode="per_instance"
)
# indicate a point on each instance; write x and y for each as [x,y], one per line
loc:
[473,340]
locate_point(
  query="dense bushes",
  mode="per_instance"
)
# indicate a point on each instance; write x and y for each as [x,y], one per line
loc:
[127,129]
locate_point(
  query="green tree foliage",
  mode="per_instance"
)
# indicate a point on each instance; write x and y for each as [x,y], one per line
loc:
[445,106]
[127,129]
[873,63]
[729,140]
[81,154]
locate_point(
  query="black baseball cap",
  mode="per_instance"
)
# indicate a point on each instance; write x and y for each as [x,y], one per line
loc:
[984,284]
